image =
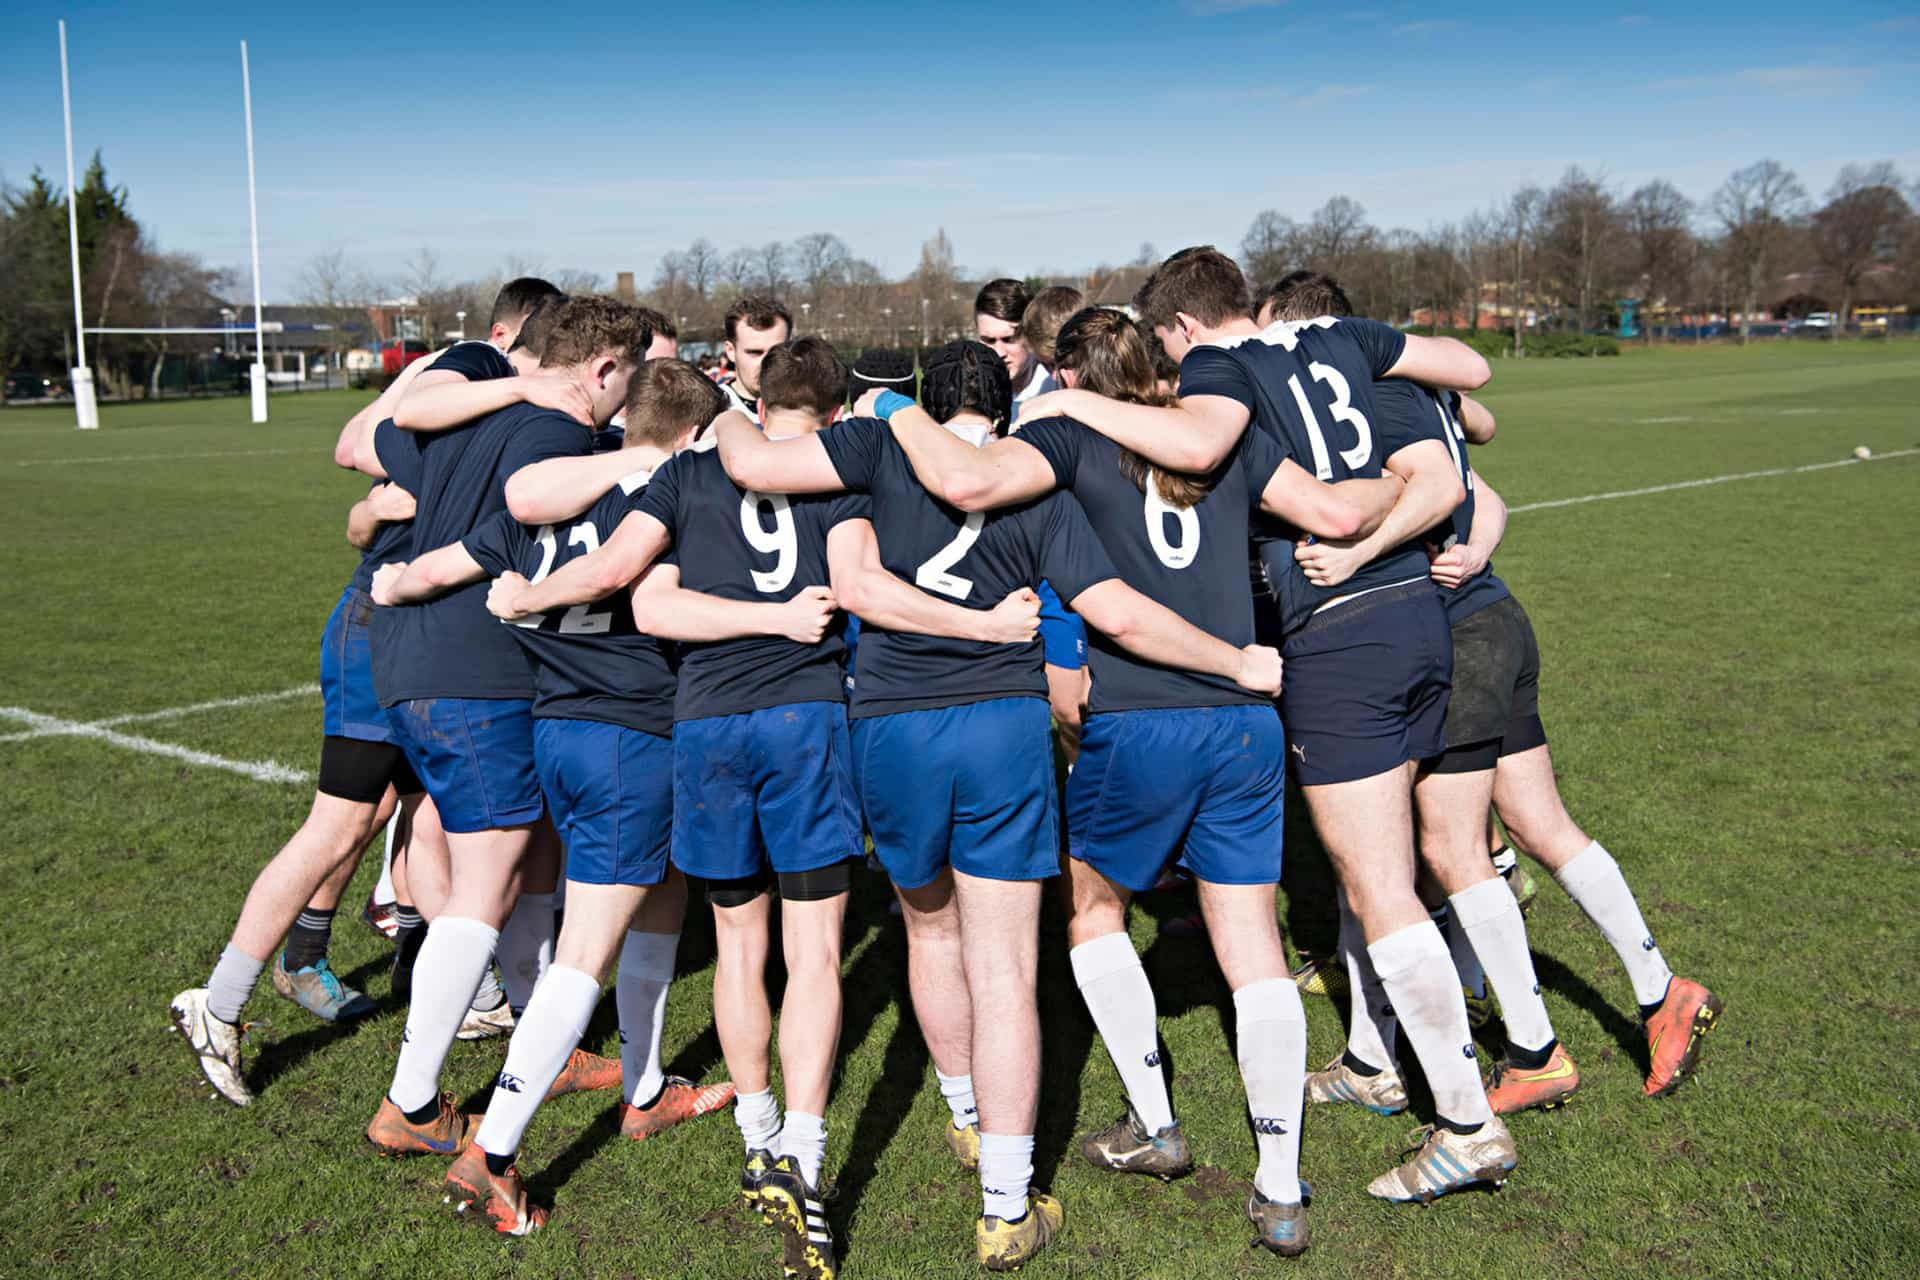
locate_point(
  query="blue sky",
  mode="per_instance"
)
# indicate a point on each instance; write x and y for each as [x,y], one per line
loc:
[1052,138]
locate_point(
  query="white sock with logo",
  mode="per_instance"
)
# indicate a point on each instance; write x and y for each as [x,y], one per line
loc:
[758,1116]
[1491,918]
[526,947]
[804,1137]
[640,992]
[958,1091]
[1373,1027]
[446,973]
[544,1037]
[1120,999]
[1272,1030]
[1006,1171]
[1418,975]
[1593,880]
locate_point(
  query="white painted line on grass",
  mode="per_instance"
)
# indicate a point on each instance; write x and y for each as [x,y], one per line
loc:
[1697,484]
[218,704]
[162,457]
[52,726]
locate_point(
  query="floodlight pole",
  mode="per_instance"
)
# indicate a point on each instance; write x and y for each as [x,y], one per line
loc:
[257,375]
[84,406]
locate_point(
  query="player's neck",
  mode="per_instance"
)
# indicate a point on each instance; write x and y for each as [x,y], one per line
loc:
[1238,327]
[644,457]
[1033,371]
[790,422]
[523,362]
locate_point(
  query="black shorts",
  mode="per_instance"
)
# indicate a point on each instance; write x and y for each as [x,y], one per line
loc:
[357,770]
[1495,709]
[816,885]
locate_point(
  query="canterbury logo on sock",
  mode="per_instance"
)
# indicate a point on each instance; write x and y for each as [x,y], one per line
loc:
[1270,1127]
[1466,1050]
[1646,944]
[1153,1058]
[510,1083]
[623,1037]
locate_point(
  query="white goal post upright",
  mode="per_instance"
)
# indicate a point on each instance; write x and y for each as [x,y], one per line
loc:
[85,408]
[257,375]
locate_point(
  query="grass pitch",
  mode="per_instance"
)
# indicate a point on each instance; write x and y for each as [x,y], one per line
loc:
[1733,687]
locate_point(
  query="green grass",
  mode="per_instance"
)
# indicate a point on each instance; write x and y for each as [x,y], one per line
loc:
[1732,681]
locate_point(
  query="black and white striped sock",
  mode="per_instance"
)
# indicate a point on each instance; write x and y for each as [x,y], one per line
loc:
[307,940]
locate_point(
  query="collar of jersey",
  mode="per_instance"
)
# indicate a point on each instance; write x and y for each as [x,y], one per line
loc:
[974,433]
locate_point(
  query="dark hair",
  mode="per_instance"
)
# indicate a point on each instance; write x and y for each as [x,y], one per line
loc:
[965,377]
[538,325]
[1003,299]
[658,324]
[883,367]
[759,313]
[805,373]
[666,397]
[517,298]
[1303,295]
[593,326]
[1203,282]
[1041,321]
[1106,354]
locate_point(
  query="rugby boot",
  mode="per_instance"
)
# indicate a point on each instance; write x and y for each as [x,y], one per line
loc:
[584,1073]
[1125,1146]
[1006,1246]
[1382,1093]
[1282,1227]
[964,1143]
[1445,1161]
[215,1044]
[320,992]
[477,1194]
[447,1134]
[1479,1007]
[1512,1088]
[1675,1033]
[1322,976]
[789,1203]
[679,1100]
[752,1174]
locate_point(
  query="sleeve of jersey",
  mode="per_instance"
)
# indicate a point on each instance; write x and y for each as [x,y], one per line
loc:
[495,544]
[853,446]
[1210,371]
[1261,454]
[1381,343]
[549,435]
[474,361]
[1405,413]
[849,506]
[399,455]
[661,496]
[1058,441]
[1071,557]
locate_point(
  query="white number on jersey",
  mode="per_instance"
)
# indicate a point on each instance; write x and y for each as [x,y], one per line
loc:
[1342,410]
[577,620]
[1174,557]
[934,575]
[778,541]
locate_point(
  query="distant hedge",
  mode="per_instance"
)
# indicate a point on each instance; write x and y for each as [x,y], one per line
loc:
[1493,343]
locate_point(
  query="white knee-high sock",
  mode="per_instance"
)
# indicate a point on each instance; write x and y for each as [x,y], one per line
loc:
[646,971]
[1466,961]
[1593,880]
[1120,999]
[1418,974]
[445,975]
[543,1037]
[1374,1025]
[383,891]
[1006,1172]
[758,1116]
[526,947]
[1491,918]
[804,1137]
[1272,1029]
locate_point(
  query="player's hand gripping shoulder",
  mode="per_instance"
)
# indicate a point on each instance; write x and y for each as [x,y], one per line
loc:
[558,391]
[1015,620]
[1260,669]
[1329,562]
[390,503]
[503,598]
[384,579]
[806,617]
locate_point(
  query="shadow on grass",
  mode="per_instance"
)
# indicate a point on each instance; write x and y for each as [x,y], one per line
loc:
[1564,982]
[285,1054]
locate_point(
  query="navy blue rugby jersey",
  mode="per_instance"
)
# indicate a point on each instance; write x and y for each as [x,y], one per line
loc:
[393,540]
[1193,561]
[589,661]
[971,559]
[450,646]
[1311,385]
[759,547]
[474,360]
[1483,588]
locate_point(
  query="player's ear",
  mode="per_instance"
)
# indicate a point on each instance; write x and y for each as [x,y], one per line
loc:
[1067,377]
[499,336]
[600,371]
[839,412]
[1186,324]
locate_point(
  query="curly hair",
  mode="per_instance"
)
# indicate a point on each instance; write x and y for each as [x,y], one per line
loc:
[595,326]
[966,376]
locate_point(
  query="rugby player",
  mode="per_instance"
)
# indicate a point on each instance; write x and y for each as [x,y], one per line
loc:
[970,831]
[754,326]
[1173,763]
[1368,668]
[459,691]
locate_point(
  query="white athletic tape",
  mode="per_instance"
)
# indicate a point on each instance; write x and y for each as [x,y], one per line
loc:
[1697,484]
[162,457]
[53,727]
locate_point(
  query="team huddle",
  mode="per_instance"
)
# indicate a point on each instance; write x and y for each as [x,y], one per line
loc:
[618,628]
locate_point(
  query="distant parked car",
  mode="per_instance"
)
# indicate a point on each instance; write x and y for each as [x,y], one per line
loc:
[28,386]
[1820,320]
[396,356]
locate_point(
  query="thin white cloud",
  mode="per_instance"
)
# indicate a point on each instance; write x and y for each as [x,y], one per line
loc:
[1633,19]
[1907,22]
[1327,93]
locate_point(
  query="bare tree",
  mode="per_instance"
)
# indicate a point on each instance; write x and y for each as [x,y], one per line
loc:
[703,266]
[1270,248]
[1336,232]
[770,265]
[1580,228]
[741,271]
[936,279]
[1657,222]
[1756,207]
[1520,224]
[177,286]
[821,259]
[1859,227]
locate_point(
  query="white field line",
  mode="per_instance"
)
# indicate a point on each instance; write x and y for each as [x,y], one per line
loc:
[51,726]
[165,713]
[161,457]
[1698,484]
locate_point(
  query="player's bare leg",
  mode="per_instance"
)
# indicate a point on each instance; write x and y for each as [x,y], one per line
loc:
[937,977]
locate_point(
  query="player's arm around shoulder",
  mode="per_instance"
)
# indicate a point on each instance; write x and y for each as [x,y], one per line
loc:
[556,489]
[865,587]
[426,576]
[664,608]
[637,542]
[799,464]
[1194,434]
[1347,509]
[1476,420]
[999,474]
[1431,491]
[1445,363]
[1150,630]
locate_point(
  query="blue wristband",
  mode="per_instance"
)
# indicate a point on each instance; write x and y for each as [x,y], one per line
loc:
[890,403]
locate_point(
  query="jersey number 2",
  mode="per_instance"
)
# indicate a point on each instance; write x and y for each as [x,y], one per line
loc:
[936,575]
